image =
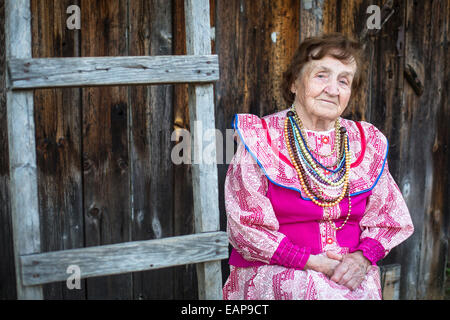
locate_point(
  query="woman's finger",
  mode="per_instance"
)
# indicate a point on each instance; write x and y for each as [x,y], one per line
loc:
[352,278]
[339,272]
[349,275]
[333,255]
[353,283]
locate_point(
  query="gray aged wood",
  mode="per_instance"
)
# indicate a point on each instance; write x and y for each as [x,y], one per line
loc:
[151,169]
[22,149]
[390,281]
[125,257]
[107,71]
[105,146]
[204,167]
[59,144]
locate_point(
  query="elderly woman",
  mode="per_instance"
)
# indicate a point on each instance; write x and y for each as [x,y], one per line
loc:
[311,205]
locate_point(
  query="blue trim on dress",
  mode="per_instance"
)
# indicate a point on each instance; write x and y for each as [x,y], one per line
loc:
[234,125]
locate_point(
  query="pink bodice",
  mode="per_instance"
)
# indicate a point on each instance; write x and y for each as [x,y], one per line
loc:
[299,220]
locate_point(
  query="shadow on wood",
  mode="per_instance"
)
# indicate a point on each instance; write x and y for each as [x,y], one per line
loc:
[390,281]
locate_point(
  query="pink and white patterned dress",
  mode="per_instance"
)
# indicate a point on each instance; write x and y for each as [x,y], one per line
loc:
[274,227]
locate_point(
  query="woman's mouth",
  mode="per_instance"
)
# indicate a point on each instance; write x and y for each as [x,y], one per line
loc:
[329,101]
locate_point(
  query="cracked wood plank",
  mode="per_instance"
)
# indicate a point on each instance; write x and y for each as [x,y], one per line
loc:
[204,176]
[108,71]
[124,257]
[22,148]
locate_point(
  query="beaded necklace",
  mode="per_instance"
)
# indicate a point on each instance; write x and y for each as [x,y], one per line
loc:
[312,174]
[306,166]
[336,147]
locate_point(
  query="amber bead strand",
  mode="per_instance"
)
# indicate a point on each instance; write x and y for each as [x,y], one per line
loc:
[346,218]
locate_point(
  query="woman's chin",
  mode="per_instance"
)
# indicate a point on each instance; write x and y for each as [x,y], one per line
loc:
[327,114]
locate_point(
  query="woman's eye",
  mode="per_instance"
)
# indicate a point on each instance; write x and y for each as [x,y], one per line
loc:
[343,82]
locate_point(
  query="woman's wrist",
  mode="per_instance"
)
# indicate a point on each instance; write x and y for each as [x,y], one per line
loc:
[311,262]
[290,255]
[371,249]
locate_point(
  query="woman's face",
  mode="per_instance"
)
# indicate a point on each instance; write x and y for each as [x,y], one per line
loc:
[323,88]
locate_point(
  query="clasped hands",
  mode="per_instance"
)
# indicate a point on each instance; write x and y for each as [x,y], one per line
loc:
[348,270]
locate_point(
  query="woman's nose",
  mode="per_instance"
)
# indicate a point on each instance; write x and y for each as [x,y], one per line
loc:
[332,88]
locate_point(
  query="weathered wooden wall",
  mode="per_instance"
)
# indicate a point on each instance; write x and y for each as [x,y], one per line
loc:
[105,174]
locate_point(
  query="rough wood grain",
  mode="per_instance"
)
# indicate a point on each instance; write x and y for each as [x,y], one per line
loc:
[108,71]
[150,127]
[7,270]
[263,35]
[124,257]
[390,281]
[58,143]
[204,172]
[312,18]
[106,188]
[186,276]
[427,43]
[22,148]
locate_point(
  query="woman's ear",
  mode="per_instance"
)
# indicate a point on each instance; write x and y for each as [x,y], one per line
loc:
[293,89]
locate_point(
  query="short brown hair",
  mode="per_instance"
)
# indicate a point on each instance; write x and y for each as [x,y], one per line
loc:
[336,45]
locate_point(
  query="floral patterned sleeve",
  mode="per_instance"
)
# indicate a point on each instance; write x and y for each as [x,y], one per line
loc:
[252,225]
[387,221]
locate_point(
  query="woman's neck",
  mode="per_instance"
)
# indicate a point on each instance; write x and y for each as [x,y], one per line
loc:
[314,123]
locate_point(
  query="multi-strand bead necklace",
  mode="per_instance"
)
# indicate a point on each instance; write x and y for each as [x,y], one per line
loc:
[309,169]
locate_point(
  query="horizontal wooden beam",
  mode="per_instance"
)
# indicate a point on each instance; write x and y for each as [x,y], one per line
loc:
[107,71]
[124,257]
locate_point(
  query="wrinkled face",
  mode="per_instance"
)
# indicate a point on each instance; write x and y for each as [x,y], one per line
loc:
[323,88]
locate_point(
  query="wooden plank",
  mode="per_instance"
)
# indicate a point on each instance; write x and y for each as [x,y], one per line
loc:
[124,257]
[109,71]
[105,145]
[150,128]
[204,175]
[427,115]
[283,30]
[186,286]
[415,171]
[264,34]
[312,15]
[390,281]
[7,271]
[22,150]
[58,143]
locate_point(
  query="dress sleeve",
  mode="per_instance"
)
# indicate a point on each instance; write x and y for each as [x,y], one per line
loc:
[252,225]
[386,222]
